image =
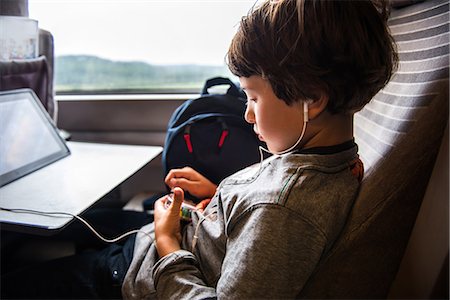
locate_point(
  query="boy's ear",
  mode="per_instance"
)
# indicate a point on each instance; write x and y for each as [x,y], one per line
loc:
[316,107]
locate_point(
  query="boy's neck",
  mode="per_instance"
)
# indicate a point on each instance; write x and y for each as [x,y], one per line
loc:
[329,130]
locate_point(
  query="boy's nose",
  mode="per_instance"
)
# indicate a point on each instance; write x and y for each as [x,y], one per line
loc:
[249,116]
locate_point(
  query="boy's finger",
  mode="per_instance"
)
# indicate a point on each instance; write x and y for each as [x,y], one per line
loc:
[178,197]
[173,175]
[182,183]
[185,172]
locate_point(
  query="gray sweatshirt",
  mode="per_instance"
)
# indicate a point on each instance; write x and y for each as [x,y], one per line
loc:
[261,236]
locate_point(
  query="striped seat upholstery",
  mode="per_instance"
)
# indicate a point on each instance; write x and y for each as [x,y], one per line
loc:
[421,33]
[399,133]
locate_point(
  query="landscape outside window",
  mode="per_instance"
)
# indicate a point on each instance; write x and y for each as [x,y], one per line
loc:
[138,46]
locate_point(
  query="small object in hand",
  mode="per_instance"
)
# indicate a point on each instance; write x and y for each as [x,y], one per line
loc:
[185,210]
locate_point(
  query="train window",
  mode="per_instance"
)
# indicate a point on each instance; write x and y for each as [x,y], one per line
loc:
[135,46]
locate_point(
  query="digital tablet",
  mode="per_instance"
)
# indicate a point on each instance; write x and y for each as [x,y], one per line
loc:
[29,140]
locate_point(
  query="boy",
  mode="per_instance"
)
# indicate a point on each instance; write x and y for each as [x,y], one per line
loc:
[306,67]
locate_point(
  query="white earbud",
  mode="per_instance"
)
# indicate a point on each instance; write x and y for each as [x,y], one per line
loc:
[305,111]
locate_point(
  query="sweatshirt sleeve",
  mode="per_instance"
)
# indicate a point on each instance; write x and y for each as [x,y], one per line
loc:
[271,252]
[177,276]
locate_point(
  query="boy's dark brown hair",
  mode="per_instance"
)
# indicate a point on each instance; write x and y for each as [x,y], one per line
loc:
[307,47]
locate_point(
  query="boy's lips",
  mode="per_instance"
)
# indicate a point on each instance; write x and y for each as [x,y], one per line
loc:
[260,137]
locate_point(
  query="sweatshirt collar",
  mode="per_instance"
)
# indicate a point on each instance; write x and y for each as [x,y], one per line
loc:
[327,150]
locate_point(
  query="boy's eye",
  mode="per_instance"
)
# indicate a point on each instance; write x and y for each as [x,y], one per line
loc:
[249,100]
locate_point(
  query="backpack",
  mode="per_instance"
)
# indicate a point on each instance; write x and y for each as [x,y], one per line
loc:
[210,134]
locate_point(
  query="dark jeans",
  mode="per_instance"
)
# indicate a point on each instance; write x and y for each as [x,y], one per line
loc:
[96,271]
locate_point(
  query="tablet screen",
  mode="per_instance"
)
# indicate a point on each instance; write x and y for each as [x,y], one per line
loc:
[28,138]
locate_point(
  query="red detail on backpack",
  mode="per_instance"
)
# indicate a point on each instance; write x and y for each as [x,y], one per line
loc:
[187,139]
[222,138]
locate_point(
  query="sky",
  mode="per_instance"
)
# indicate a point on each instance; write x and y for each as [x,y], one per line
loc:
[158,32]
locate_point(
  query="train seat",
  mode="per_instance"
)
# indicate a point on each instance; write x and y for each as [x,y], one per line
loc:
[399,134]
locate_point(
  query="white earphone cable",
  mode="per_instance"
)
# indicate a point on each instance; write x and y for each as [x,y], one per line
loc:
[56,214]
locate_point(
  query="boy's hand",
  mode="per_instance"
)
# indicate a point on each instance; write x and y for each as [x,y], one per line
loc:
[167,223]
[192,181]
